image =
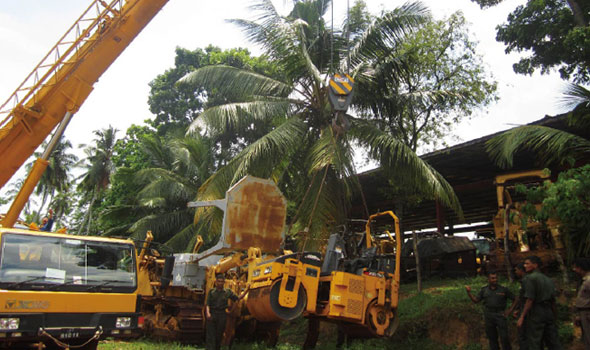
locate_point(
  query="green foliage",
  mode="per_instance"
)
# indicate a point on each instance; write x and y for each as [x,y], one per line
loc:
[565,332]
[552,146]
[176,106]
[442,81]
[358,19]
[567,200]
[156,191]
[304,148]
[556,33]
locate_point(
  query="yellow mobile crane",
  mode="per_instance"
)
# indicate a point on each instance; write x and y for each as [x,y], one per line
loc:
[58,290]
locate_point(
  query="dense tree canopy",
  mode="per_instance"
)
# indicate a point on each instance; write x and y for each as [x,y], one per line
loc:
[176,106]
[309,150]
[270,116]
[555,34]
[442,82]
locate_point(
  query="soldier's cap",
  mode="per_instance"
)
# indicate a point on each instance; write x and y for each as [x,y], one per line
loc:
[220,276]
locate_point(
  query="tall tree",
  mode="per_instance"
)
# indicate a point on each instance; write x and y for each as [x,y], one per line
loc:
[56,177]
[98,167]
[308,151]
[556,33]
[442,81]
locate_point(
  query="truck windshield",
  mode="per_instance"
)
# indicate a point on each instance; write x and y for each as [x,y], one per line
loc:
[31,262]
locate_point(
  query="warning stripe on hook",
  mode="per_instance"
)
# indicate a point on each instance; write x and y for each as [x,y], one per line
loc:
[341,85]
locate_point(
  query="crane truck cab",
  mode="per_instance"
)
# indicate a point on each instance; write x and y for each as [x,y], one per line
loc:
[63,290]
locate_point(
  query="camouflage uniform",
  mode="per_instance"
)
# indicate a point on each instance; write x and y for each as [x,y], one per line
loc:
[540,323]
[217,302]
[494,301]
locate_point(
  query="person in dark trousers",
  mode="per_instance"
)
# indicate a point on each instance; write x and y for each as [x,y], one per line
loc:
[47,222]
[518,304]
[494,297]
[216,311]
[539,309]
[582,303]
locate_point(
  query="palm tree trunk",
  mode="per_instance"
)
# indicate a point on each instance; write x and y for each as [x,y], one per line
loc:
[88,216]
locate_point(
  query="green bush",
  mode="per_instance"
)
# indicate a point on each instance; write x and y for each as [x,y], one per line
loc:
[565,333]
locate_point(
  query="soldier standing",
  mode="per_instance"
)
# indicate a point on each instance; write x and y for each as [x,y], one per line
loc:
[539,308]
[494,297]
[216,311]
[517,306]
[582,267]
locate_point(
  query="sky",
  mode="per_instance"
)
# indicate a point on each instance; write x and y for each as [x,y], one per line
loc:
[29,28]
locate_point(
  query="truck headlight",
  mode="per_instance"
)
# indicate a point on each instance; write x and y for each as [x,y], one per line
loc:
[123,322]
[268,269]
[256,273]
[9,323]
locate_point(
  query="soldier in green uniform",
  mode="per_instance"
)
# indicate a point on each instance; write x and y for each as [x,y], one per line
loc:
[216,313]
[494,297]
[539,308]
[518,304]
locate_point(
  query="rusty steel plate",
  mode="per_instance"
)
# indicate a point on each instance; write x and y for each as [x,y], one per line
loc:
[255,215]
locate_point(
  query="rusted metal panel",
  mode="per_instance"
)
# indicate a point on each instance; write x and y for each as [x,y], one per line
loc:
[255,215]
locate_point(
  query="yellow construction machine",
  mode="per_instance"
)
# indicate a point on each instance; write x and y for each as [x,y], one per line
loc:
[249,253]
[359,290]
[514,233]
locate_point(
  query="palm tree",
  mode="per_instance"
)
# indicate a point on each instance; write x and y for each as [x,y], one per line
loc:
[551,145]
[178,167]
[309,151]
[57,175]
[99,166]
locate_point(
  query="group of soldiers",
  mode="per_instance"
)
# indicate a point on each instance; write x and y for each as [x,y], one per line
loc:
[534,307]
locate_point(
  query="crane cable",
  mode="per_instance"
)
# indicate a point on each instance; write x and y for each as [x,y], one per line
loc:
[332,39]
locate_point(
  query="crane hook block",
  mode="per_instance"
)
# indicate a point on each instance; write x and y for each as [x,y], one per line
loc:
[340,92]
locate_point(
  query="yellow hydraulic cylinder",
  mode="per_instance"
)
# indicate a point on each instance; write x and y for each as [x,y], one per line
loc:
[25,192]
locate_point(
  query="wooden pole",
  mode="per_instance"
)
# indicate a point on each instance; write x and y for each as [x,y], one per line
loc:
[417,257]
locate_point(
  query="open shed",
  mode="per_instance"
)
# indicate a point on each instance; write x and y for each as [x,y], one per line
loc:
[471,172]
